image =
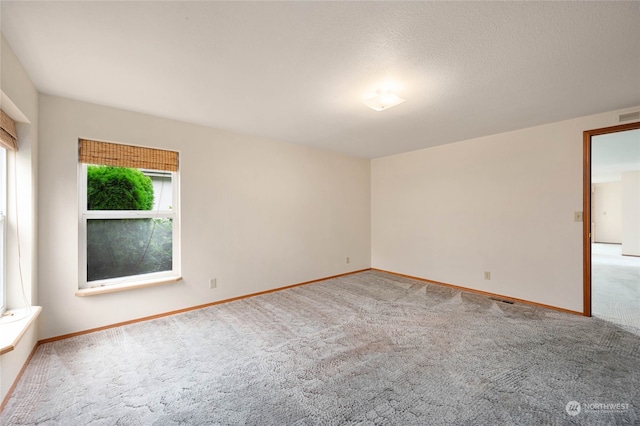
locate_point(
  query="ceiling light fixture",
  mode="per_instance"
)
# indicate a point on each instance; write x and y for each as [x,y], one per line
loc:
[383,99]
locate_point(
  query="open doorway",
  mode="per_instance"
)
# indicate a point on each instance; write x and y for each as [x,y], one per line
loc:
[612,225]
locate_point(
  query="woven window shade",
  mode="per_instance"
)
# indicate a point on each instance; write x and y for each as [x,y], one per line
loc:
[113,154]
[8,133]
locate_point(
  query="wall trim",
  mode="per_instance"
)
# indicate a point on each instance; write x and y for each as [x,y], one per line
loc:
[192,308]
[484,293]
[18,377]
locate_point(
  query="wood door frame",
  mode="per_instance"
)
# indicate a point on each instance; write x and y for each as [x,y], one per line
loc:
[586,204]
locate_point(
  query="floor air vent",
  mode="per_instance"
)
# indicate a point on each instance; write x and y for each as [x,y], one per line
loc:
[502,300]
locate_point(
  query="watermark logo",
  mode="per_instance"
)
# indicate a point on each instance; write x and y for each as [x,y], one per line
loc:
[573,408]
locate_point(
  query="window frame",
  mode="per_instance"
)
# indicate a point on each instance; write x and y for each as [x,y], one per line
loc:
[84,215]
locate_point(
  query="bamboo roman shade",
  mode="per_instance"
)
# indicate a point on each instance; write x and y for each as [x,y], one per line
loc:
[113,154]
[8,133]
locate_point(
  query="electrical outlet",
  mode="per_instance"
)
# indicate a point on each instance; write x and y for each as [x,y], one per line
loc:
[348,259]
[487,275]
[213,282]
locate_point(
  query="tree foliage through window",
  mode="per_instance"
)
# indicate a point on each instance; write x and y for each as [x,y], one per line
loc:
[118,188]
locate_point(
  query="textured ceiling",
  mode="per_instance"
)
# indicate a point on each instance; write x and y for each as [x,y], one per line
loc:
[298,71]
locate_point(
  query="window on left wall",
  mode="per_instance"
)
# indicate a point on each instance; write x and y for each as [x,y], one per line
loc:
[3,228]
[8,142]
[129,215]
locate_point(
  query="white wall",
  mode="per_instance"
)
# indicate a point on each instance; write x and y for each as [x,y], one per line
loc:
[256,214]
[20,100]
[501,203]
[606,203]
[631,213]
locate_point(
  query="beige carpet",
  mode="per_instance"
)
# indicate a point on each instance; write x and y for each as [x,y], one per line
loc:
[615,286]
[364,349]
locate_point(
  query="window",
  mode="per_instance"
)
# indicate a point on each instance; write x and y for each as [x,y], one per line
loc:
[3,228]
[8,141]
[129,217]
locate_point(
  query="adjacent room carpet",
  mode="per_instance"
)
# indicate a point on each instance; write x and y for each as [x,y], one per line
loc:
[368,348]
[615,286]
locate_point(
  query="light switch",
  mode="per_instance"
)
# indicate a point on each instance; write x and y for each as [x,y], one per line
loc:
[577,216]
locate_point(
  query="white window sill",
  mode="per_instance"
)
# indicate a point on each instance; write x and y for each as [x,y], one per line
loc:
[94,291]
[13,324]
